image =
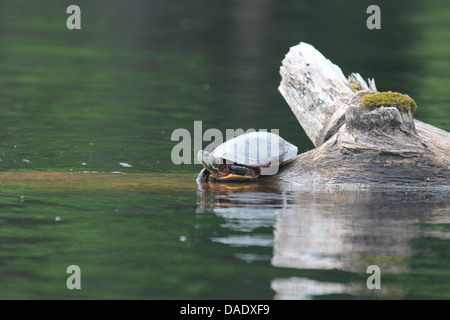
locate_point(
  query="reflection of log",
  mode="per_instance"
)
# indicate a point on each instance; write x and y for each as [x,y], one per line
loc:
[353,144]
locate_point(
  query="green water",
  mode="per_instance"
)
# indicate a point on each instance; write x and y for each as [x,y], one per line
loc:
[107,98]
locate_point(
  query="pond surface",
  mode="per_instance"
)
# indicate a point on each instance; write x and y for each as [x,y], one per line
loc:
[87,177]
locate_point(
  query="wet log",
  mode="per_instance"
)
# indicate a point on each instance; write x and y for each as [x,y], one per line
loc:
[353,144]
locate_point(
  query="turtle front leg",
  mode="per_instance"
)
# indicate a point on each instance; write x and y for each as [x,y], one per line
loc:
[203,176]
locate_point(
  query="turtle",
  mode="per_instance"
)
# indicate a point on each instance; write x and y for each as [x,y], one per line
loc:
[244,157]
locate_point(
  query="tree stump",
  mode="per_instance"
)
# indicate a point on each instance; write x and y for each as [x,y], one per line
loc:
[354,145]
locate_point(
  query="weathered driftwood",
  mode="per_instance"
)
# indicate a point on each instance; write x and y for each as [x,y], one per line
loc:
[353,144]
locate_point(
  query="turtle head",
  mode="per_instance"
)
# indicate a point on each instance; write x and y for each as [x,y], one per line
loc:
[215,167]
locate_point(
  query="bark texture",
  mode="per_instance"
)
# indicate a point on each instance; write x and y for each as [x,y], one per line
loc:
[354,145]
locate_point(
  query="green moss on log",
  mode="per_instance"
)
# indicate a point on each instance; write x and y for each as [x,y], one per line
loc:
[402,102]
[355,86]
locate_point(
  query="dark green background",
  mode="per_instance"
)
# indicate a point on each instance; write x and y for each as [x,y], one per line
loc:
[115,90]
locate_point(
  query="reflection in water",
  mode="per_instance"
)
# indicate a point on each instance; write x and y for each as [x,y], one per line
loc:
[244,208]
[301,288]
[330,229]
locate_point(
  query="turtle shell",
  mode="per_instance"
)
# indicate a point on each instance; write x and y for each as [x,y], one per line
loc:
[256,149]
